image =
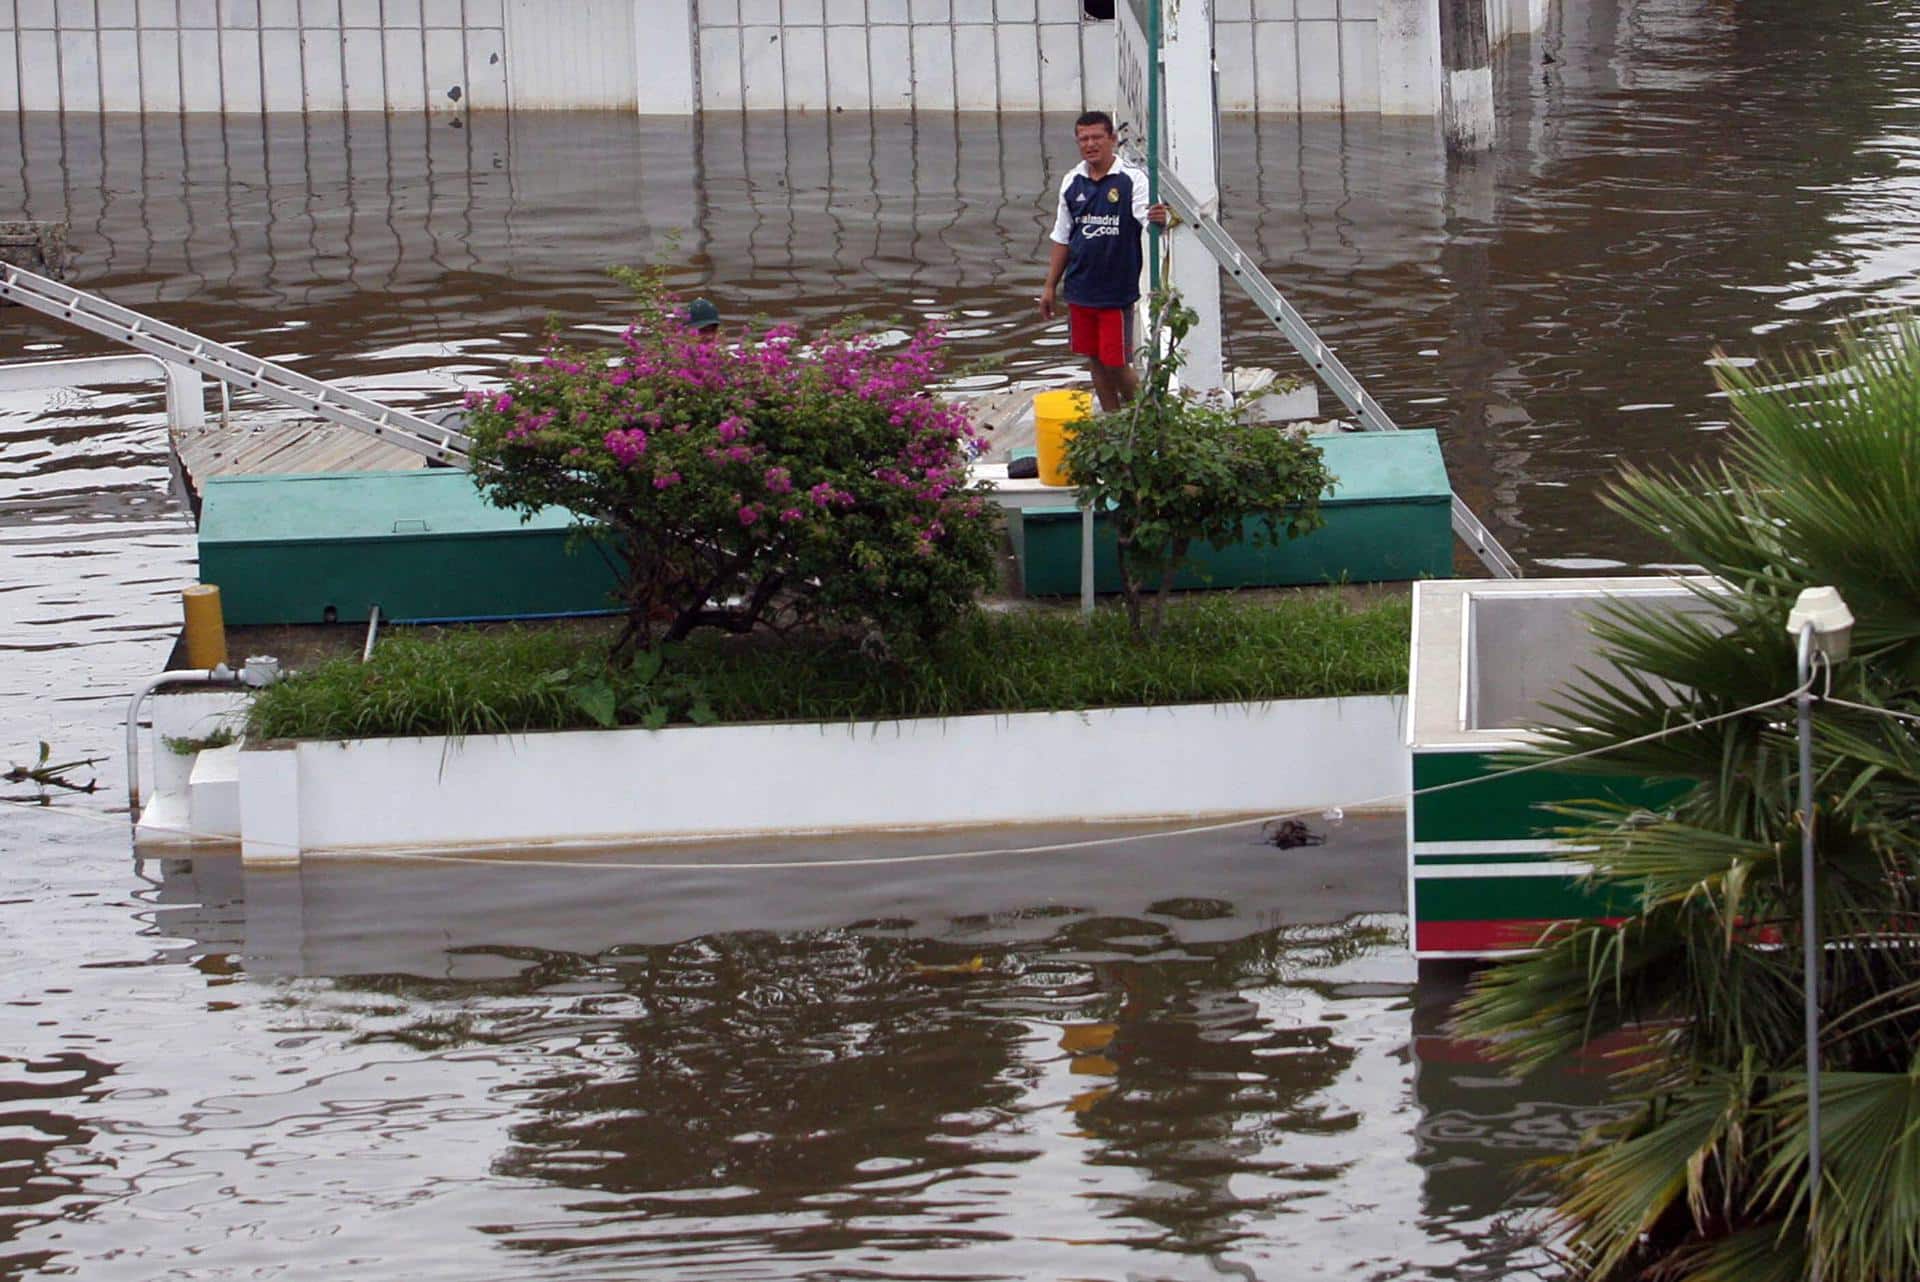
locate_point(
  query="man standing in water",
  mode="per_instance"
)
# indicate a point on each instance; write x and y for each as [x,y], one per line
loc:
[1095,258]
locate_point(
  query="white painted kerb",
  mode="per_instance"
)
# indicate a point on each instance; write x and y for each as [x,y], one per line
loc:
[629,785]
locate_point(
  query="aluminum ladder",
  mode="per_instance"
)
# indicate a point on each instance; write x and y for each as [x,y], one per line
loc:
[1245,273]
[233,366]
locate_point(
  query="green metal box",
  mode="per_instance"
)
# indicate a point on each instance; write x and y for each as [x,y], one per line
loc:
[421,545]
[1388,517]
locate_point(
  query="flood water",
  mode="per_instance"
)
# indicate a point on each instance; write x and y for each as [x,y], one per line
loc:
[1176,1058]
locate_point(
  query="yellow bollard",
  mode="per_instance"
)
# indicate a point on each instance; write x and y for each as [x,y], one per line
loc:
[206,630]
[1052,411]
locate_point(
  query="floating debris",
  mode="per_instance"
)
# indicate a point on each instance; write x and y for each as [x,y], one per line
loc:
[957,970]
[1291,833]
[47,773]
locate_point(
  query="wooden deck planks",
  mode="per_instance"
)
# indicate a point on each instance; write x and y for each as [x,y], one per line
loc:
[276,447]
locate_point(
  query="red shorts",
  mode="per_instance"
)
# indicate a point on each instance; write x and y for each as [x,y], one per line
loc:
[1104,333]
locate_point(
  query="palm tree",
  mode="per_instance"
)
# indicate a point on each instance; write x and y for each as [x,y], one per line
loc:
[1707,1179]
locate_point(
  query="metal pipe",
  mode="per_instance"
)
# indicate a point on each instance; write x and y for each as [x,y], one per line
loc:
[373,633]
[1086,558]
[186,399]
[1810,935]
[221,676]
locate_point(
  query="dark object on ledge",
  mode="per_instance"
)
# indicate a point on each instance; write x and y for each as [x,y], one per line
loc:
[1289,834]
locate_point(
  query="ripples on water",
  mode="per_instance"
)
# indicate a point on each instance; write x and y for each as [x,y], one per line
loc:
[366,1072]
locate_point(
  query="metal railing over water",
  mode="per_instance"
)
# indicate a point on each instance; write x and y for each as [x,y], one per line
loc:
[1274,306]
[230,365]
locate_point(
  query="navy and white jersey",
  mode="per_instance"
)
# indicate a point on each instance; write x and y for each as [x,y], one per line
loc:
[1100,224]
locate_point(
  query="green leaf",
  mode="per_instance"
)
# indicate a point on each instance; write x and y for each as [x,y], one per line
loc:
[598,700]
[647,665]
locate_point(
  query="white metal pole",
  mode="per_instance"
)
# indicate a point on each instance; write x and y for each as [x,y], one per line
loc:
[1810,935]
[1191,112]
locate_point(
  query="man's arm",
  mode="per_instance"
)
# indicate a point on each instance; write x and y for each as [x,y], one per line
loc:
[1056,267]
[1143,213]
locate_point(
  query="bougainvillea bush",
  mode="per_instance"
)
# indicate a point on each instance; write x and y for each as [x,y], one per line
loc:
[744,480]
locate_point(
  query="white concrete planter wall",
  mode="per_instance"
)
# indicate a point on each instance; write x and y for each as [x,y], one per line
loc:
[672,57]
[185,714]
[633,785]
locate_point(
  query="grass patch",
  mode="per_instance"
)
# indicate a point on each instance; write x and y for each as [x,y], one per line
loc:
[516,679]
[186,747]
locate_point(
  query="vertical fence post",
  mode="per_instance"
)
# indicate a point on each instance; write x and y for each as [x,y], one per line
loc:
[1466,75]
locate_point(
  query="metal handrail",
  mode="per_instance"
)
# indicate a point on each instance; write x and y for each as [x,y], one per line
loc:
[1293,326]
[230,365]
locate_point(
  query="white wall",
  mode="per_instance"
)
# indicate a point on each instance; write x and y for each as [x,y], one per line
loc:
[1110,763]
[970,55]
[576,55]
[243,56]
[1298,55]
[247,56]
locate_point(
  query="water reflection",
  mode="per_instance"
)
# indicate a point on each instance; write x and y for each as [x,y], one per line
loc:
[1481,1126]
[1183,1057]
[1044,1067]
[44,1167]
[1172,1076]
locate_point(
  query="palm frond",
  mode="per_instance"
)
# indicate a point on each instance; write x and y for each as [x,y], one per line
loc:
[1662,1176]
[1868,1226]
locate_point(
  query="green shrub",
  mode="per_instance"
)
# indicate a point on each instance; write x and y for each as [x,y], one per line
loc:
[1177,471]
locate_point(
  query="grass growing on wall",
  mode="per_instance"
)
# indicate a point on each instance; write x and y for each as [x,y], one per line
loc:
[515,679]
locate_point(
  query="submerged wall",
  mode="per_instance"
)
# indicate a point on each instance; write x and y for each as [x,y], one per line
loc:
[787,778]
[672,57]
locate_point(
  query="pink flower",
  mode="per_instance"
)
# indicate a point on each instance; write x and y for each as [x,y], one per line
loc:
[626,446]
[666,480]
[789,515]
[749,514]
[779,481]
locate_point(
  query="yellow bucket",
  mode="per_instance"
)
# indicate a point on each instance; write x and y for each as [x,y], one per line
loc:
[1052,411]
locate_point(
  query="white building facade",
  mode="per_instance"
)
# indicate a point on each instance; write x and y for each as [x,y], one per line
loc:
[675,57]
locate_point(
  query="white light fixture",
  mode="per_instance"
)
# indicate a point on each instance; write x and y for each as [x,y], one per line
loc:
[1828,616]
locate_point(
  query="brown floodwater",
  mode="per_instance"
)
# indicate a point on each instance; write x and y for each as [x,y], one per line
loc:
[1186,1057]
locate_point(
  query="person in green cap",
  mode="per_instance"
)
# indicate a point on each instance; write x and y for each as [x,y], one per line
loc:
[702,317]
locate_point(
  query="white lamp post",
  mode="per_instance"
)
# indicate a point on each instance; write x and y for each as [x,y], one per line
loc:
[1819,623]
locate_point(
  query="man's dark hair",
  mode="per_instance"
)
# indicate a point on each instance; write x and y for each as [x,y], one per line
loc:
[1094,118]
